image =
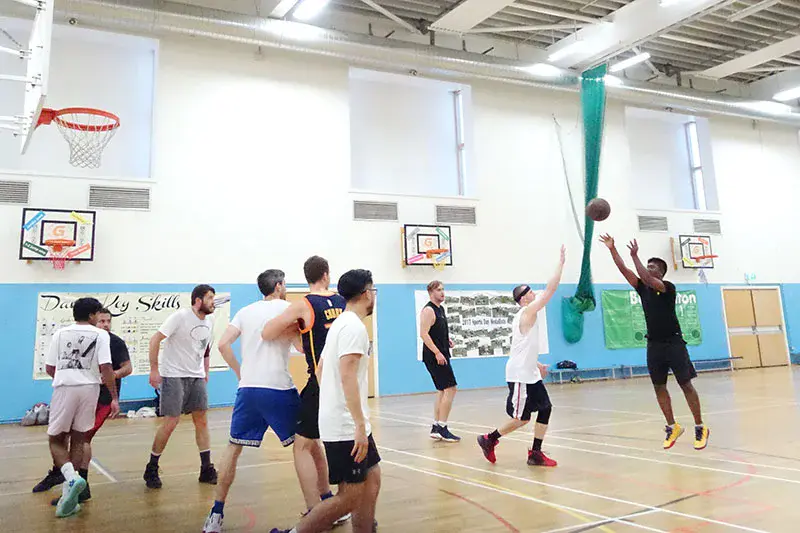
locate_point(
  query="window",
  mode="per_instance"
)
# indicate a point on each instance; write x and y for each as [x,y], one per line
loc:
[696,166]
[409,135]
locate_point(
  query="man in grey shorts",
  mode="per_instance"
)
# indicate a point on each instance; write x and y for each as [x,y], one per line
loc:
[181,374]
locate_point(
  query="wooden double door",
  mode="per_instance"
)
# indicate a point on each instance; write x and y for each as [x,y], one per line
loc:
[297,362]
[755,327]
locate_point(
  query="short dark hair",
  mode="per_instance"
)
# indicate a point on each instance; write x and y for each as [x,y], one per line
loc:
[661,263]
[269,279]
[519,291]
[200,292]
[104,311]
[83,308]
[353,283]
[435,284]
[315,268]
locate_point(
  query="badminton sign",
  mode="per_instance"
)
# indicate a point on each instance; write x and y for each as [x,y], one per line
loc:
[625,327]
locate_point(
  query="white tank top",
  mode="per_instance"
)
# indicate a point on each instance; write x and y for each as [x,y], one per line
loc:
[522,366]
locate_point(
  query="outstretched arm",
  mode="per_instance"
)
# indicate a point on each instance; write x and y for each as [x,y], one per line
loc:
[630,277]
[647,278]
[277,326]
[529,315]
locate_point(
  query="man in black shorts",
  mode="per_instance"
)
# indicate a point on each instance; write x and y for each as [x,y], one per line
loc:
[666,349]
[436,356]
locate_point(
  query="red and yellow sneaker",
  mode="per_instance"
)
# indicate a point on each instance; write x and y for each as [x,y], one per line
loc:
[538,458]
[701,437]
[672,435]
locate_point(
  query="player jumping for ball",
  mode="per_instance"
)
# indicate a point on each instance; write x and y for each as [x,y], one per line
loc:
[666,349]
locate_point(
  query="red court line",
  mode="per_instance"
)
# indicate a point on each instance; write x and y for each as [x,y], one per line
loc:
[482,508]
[251,519]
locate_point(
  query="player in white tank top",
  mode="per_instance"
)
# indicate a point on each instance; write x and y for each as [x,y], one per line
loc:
[524,373]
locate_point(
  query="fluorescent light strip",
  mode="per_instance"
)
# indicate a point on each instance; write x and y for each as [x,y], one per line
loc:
[543,69]
[789,94]
[283,8]
[631,61]
[309,9]
[567,50]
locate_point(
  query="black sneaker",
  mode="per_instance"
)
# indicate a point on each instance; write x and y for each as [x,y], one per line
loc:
[84,496]
[208,474]
[444,431]
[54,477]
[151,476]
[435,432]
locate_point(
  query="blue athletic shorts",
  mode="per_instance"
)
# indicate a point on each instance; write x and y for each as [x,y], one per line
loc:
[257,409]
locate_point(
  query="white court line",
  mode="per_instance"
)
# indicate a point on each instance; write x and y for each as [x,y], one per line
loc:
[645,459]
[529,498]
[102,470]
[578,491]
[600,522]
[625,447]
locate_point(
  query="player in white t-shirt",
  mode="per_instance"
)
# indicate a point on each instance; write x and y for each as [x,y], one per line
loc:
[524,373]
[180,374]
[267,396]
[78,360]
[344,425]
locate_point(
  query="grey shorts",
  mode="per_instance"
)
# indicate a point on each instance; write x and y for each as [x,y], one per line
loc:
[182,396]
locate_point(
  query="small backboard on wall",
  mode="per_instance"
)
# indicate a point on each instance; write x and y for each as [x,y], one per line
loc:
[427,245]
[41,227]
[694,251]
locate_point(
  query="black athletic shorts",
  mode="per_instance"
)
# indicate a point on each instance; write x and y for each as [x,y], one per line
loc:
[342,467]
[670,355]
[442,375]
[308,414]
[526,398]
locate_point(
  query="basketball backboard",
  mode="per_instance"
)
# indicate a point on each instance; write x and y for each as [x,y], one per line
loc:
[427,245]
[695,251]
[42,225]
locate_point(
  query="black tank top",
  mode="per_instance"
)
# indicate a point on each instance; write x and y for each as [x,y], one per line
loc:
[439,333]
[324,310]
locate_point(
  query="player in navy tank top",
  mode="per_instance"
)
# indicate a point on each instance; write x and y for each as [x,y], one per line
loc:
[312,315]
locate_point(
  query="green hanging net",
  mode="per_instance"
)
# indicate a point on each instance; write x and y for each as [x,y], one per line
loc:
[593,103]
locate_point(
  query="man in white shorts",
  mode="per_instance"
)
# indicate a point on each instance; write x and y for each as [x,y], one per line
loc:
[78,356]
[344,425]
[524,373]
[181,374]
[267,396]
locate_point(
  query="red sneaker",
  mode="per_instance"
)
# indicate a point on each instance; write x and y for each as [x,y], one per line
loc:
[488,448]
[538,458]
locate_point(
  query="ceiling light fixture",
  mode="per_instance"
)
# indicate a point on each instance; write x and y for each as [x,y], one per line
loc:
[631,61]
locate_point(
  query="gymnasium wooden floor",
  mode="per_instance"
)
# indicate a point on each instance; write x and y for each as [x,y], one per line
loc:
[612,476]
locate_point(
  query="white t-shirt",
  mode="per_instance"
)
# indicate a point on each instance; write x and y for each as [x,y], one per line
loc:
[347,335]
[265,364]
[187,338]
[77,351]
[522,365]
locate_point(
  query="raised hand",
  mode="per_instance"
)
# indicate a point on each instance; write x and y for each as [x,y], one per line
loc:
[608,240]
[633,246]
[563,254]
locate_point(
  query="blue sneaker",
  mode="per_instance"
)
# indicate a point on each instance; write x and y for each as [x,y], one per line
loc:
[436,432]
[447,436]
[68,504]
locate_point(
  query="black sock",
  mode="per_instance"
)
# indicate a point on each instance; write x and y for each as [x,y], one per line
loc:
[494,436]
[537,445]
[205,458]
[84,473]
[154,459]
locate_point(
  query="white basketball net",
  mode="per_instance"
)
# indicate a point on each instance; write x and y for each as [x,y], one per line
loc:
[87,135]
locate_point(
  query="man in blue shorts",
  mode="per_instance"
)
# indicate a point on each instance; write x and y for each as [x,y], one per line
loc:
[267,396]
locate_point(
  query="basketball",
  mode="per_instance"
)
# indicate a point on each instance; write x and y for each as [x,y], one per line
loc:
[598,209]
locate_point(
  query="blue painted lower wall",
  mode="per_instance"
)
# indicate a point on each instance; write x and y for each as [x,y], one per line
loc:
[399,370]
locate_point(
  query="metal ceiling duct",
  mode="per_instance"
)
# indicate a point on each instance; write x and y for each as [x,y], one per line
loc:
[165,18]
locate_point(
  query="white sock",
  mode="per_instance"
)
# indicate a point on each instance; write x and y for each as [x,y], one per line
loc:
[69,471]
[442,424]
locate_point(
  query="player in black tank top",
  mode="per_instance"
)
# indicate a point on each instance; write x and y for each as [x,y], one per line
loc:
[436,356]
[324,309]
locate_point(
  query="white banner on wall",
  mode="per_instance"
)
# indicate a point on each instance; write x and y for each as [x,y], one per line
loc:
[479,322]
[136,316]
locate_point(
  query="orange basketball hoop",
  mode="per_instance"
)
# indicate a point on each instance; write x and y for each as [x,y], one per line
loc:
[59,248]
[86,130]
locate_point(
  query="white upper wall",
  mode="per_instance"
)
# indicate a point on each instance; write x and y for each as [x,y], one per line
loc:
[252,171]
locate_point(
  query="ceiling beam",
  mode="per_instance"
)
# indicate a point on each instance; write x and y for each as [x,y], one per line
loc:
[540,27]
[388,14]
[752,10]
[468,14]
[753,59]
[629,26]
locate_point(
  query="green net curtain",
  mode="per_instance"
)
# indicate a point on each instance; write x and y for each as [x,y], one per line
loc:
[593,104]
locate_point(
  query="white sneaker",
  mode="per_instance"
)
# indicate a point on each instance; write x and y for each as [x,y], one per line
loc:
[342,520]
[213,523]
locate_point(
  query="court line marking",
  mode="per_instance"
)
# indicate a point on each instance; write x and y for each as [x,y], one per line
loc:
[624,447]
[510,492]
[508,525]
[578,491]
[95,463]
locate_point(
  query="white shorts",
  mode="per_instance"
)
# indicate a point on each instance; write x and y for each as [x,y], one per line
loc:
[73,409]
